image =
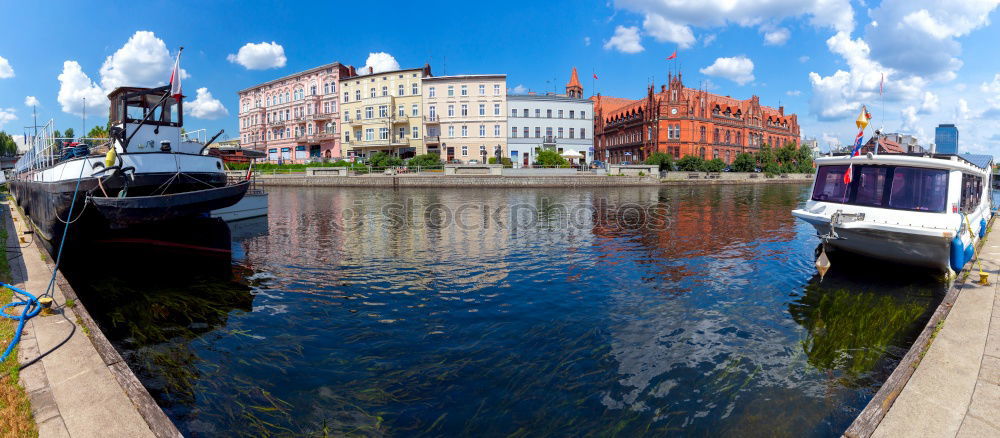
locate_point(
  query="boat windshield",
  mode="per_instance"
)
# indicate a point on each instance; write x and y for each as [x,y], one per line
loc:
[896,187]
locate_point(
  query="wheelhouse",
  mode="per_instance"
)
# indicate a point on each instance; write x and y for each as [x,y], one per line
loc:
[134,104]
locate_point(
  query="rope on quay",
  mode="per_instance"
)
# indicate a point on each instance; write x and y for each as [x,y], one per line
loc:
[31,308]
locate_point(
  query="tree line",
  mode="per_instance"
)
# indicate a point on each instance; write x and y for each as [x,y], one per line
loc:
[786,159]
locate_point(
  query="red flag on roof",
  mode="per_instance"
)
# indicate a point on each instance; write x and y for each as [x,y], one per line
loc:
[672,56]
[175,77]
[595,75]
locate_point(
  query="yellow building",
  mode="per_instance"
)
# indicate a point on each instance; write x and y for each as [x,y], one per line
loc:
[384,112]
[466,117]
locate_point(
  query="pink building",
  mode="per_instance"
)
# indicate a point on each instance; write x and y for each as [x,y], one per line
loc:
[294,118]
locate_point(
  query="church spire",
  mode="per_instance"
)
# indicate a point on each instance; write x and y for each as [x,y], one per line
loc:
[573,87]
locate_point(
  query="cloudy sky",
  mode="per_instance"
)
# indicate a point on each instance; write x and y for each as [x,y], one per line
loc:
[821,59]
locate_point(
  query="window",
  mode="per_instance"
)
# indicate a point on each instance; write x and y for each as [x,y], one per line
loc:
[401,111]
[465,109]
[465,90]
[560,132]
[583,114]
[369,134]
[451,110]
[482,89]
[357,94]
[496,130]
[702,131]
[415,89]
[538,132]
[538,112]
[524,113]
[548,132]
[451,90]
[465,131]
[383,133]
[465,151]
[402,132]
[482,130]
[583,132]
[432,111]
[385,91]
[496,109]
[572,132]
[571,114]
[451,131]
[899,187]
[357,135]
[496,89]
[415,132]
[369,112]
[513,112]
[383,111]
[525,132]
[560,114]
[482,109]
[402,90]
[972,191]
[430,91]
[357,114]
[415,110]
[513,132]
[372,92]
[548,113]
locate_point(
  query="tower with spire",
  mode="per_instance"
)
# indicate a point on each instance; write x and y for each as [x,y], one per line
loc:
[573,87]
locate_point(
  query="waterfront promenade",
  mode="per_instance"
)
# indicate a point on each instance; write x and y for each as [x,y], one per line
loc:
[74,389]
[955,388]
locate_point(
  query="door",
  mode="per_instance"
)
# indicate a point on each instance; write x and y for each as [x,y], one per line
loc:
[451,153]
[526,163]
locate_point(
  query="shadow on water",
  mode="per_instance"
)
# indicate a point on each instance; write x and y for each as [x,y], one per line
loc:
[711,324]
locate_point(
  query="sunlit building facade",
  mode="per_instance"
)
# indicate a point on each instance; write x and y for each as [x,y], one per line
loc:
[465,117]
[383,112]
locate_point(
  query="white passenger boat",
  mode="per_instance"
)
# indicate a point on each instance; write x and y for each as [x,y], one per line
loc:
[926,210]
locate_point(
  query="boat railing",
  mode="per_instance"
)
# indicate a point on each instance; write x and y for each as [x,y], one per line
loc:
[45,149]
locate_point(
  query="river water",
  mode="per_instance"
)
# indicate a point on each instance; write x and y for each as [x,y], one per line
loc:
[507,312]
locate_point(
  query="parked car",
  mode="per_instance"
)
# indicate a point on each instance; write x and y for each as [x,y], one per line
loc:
[597,164]
[473,161]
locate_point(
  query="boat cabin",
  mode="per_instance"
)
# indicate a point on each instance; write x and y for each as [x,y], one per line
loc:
[150,117]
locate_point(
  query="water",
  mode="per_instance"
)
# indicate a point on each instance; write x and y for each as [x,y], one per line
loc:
[417,312]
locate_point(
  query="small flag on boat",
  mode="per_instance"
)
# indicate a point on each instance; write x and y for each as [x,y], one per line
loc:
[175,77]
[881,84]
[672,56]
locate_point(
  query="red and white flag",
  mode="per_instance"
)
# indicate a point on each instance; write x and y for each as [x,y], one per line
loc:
[595,75]
[672,56]
[175,78]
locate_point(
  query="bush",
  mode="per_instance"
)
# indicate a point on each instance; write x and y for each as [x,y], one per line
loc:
[382,159]
[689,163]
[665,161]
[744,162]
[425,160]
[713,165]
[505,161]
[550,158]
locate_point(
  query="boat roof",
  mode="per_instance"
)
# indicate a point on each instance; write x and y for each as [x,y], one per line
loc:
[966,162]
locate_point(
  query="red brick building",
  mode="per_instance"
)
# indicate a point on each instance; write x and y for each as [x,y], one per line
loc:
[684,121]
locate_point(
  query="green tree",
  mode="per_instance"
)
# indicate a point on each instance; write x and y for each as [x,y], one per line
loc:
[7,145]
[550,158]
[98,132]
[382,159]
[505,161]
[744,162]
[787,153]
[665,161]
[805,160]
[713,165]
[69,133]
[425,160]
[690,163]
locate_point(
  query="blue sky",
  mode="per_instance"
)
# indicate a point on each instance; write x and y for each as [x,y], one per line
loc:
[821,59]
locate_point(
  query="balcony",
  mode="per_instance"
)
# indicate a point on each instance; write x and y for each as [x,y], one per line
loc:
[432,119]
[432,139]
[548,139]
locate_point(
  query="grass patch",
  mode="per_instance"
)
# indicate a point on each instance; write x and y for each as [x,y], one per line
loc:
[15,408]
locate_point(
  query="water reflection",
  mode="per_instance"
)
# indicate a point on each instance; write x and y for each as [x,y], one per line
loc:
[632,311]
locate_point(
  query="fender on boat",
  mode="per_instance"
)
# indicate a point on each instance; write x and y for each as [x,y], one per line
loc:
[957,254]
[982,228]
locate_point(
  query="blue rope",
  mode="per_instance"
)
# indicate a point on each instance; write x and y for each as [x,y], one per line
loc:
[31,308]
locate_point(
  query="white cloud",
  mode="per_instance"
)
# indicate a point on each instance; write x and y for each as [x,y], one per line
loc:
[31,101]
[830,140]
[908,115]
[921,38]
[929,103]
[74,86]
[804,59]
[204,106]
[380,62]
[6,71]
[777,37]
[625,40]
[520,89]
[708,39]
[259,56]
[672,20]
[143,61]
[586,41]
[794,92]
[962,111]
[7,115]
[664,30]
[738,69]
[992,91]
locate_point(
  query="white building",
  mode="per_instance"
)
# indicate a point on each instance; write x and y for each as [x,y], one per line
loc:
[561,122]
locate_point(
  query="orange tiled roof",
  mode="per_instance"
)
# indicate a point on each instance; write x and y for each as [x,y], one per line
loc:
[611,104]
[574,80]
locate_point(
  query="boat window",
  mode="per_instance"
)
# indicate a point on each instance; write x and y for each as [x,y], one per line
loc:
[165,114]
[919,189]
[830,185]
[896,187]
[972,191]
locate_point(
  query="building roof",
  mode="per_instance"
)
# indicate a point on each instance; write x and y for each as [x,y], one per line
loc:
[481,76]
[609,104]
[574,80]
[303,72]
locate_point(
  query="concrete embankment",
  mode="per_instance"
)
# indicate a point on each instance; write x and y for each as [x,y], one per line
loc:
[496,181]
[948,384]
[80,386]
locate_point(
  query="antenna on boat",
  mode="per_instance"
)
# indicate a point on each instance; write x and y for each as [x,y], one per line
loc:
[83,132]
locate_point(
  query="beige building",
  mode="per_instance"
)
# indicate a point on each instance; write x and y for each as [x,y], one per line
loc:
[466,116]
[383,112]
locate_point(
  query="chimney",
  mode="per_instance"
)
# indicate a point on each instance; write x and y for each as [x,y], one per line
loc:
[663,88]
[781,110]
[371,70]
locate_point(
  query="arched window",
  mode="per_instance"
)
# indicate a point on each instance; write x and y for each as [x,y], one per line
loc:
[727,137]
[702,131]
[715,138]
[701,153]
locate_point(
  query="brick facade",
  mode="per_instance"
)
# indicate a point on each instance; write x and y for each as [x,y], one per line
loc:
[684,121]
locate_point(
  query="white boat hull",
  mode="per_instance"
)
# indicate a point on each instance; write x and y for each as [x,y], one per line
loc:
[252,205]
[923,250]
